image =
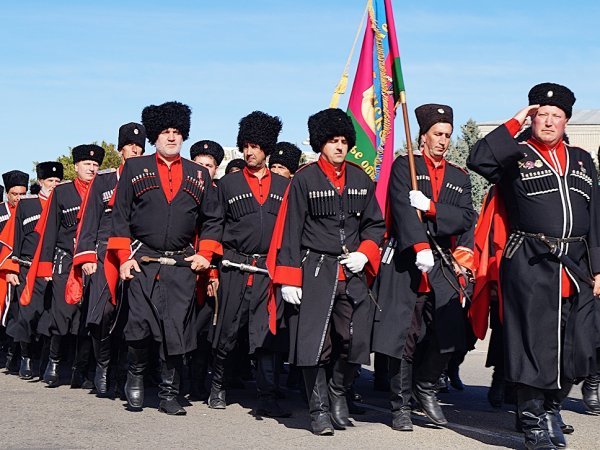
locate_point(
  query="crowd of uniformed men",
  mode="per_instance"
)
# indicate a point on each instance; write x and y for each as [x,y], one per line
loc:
[157,269]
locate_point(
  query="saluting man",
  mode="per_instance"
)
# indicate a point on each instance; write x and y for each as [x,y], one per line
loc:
[550,192]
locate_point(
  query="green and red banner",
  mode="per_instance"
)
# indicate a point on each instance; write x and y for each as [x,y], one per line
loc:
[376,90]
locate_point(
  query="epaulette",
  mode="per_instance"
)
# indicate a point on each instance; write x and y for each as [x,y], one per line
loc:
[65,182]
[304,166]
[107,170]
[462,169]
[353,164]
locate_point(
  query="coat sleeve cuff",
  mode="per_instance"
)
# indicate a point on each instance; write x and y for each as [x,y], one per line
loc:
[464,256]
[371,250]
[119,243]
[421,246]
[432,211]
[208,248]
[44,269]
[291,276]
[85,257]
[513,126]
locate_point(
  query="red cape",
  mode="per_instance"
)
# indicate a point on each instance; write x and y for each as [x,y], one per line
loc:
[40,229]
[491,234]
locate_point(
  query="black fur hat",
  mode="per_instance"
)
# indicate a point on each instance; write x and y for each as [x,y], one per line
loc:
[430,114]
[90,152]
[132,133]
[210,148]
[327,124]
[553,94]
[156,119]
[238,162]
[35,189]
[15,178]
[286,154]
[261,129]
[49,169]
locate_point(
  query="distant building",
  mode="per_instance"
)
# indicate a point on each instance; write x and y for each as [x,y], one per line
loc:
[583,130]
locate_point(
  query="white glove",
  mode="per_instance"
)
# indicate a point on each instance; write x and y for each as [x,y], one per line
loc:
[355,261]
[419,200]
[291,294]
[425,260]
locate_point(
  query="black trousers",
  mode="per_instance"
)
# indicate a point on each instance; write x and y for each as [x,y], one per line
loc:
[337,338]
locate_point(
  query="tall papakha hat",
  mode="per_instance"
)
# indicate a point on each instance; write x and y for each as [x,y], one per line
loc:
[553,94]
[35,189]
[156,119]
[14,178]
[238,163]
[260,129]
[49,169]
[210,148]
[132,133]
[286,154]
[329,123]
[430,114]
[91,152]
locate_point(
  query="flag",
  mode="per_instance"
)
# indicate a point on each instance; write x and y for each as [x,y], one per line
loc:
[376,90]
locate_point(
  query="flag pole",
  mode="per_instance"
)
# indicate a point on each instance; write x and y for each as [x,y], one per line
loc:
[409,148]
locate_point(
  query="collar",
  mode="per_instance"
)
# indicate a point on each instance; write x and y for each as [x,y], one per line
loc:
[160,160]
[248,173]
[329,169]
[434,164]
[542,147]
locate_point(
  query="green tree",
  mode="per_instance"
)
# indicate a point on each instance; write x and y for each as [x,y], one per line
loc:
[112,159]
[458,153]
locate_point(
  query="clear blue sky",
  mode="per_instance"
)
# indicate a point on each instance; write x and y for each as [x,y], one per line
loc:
[73,72]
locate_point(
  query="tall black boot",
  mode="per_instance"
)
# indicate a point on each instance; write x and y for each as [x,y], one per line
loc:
[453,371]
[134,387]
[532,416]
[120,362]
[341,380]
[25,371]
[427,374]
[102,353]
[169,386]
[315,382]
[12,358]
[589,391]
[51,374]
[81,364]
[266,387]
[401,392]
[552,404]
[381,380]
[496,392]
[217,387]
[198,370]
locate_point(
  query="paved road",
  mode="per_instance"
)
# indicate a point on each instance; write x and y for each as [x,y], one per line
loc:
[33,416]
